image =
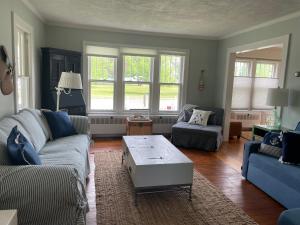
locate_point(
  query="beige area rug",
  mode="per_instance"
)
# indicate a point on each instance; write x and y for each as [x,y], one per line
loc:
[115,201]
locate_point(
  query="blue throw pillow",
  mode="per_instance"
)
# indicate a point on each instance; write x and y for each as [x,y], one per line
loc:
[20,151]
[187,115]
[272,144]
[60,124]
[291,148]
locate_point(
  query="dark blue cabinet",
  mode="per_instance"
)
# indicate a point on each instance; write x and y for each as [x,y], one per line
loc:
[54,62]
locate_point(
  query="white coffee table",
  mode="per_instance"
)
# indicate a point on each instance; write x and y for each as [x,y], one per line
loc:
[156,165]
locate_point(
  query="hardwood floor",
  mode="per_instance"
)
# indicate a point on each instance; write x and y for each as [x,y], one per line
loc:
[221,168]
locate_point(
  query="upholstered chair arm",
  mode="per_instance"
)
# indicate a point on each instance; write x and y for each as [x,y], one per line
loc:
[249,148]
[41,192]
[81,124]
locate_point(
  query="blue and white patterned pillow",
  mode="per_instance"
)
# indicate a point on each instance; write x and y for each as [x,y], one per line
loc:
[272,144]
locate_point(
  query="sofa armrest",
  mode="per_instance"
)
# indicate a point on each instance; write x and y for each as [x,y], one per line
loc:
[249,148]
[81,124]
[289,217]
[39,192]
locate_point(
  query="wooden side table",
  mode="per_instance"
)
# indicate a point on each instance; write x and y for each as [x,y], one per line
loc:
[259,131]
[235,129]
[138,127]
[8,217]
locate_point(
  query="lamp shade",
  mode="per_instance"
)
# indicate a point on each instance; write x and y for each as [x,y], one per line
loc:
[70,80]
[277,97]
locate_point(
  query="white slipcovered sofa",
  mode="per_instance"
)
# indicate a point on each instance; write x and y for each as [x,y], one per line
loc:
[52,193]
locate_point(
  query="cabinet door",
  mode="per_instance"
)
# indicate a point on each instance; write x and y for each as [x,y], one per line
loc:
[73,63]
[58,66]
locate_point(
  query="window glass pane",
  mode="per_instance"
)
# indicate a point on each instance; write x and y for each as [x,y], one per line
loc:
[137,96]
[102,95]
[242,69]
[170,68]
[260,92]
[241,93]
[101,68]
[267,70]
[169,96]
[23,92]
[137,68]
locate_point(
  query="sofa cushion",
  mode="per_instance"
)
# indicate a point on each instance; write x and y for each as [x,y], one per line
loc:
[60,124]
[8,123]
[287,174]
[33,127]
[40,118]
[20,151]
[195,136]
[71,151]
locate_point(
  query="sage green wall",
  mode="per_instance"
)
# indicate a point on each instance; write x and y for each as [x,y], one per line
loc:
[202,53]
[6,9]
[291,114]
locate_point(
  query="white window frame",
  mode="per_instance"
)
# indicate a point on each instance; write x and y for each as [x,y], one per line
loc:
[150,83]
[181,84]
[102,81]
[119,95]
[19,23]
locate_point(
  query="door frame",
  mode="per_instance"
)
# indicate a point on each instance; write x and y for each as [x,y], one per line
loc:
[283,41]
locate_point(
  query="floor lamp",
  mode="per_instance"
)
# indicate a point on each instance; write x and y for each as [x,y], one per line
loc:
[67,82]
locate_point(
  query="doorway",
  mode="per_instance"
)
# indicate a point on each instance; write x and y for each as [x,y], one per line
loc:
[245,87]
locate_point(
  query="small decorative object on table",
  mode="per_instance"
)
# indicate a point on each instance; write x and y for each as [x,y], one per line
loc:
[259,131]
[138,125]
[8,217]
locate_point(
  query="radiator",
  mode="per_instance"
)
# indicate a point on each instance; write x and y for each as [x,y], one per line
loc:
[116,125]
[248,119]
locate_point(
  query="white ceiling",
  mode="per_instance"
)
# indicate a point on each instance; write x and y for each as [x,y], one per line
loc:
[206,18]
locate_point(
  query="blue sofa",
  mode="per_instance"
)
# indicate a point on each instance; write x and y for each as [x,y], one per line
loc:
[280,181]
[290,217]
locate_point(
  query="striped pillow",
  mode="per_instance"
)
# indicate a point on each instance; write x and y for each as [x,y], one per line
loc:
[272,144]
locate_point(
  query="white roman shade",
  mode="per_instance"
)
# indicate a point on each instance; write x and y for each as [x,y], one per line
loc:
[104,51]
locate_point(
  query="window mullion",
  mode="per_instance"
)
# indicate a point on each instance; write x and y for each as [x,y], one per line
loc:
[155,86]
[119,90]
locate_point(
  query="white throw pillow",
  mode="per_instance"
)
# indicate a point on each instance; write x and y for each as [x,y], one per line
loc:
[199,117]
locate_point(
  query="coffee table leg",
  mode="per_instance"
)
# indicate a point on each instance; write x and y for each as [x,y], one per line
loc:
[190,193]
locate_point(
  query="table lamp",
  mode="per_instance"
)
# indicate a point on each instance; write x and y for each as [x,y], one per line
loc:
[67,82]
[277,97]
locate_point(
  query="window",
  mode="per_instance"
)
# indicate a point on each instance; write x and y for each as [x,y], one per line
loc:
[251,82]
[137,79]
[242,69]
[125,79]
[23,69]
[171,71]
[102,73]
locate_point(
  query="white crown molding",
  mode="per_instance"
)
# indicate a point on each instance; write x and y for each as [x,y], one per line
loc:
[118,30]
[34,10]
[262,25]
